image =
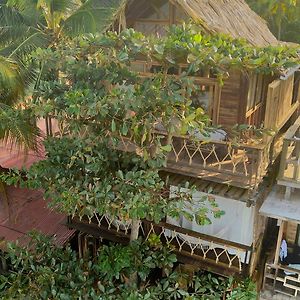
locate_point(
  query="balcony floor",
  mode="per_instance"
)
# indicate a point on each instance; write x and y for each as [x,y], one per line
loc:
[197,170]
[276,206]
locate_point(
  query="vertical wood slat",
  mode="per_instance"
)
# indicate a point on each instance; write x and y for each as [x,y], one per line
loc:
[216,104]
[279,240]
[296,167]
[284,153]
[272,104]
[244,87]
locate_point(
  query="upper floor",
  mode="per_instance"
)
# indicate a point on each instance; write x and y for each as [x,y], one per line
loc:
[250,112]
[236,154]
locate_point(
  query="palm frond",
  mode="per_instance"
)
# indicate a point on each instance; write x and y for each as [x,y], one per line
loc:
[59,6]
[31,40]
[18,128]
[14,24]
[11,81]
[21,28]
[93,16]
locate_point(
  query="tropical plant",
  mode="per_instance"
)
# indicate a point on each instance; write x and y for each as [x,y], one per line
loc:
[48,272]
[282,17]
[99,103]
[29,24]
[17,126]
[26,25]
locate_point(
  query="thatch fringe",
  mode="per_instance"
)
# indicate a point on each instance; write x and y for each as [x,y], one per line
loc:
[233,17]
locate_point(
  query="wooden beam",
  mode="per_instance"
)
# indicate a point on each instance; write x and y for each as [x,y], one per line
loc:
[216,104]
[200,235]
[151,21]
[205,264]
[279,241]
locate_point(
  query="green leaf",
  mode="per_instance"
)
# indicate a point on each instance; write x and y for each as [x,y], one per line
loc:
[167,148]
[113,125]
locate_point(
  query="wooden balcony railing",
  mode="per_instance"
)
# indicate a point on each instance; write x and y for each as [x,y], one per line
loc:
[214,252]
[239,165]
[282,279]
[289,172]
[224,257]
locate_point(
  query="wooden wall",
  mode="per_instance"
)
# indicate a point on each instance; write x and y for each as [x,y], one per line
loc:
[279,106]
[291,231]
[232,96]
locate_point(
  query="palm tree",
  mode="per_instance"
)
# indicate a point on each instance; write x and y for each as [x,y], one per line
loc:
[26,25]
[281,15]
[29,24]
[17,127]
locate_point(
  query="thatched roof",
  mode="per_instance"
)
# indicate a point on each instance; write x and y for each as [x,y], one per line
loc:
[233,17]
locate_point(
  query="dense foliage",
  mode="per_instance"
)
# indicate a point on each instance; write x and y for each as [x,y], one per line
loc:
[48,272]
[30,24]
[283,17]
[17,126]
[186,44]
[91,89]
[26,25]
[98,102]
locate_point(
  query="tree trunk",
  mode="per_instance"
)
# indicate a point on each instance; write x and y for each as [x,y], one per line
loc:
[5,202]
[135,226]
[279,31]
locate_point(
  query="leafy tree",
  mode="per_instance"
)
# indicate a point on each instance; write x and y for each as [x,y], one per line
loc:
[282,16]
[26,25]
[29,24]
[102,105]
[85,174]
[48,272]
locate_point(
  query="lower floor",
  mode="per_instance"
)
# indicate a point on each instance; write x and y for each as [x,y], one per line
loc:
[282,265]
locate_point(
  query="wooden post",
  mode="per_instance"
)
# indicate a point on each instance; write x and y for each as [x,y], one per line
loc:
[279,240]
[283,158]
[135,227]
[296,167]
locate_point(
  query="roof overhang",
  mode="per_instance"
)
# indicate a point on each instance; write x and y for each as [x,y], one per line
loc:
[276,206]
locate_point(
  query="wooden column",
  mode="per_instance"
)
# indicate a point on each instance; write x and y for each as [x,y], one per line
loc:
[279,240]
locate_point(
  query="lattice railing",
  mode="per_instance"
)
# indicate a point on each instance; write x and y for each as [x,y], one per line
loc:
[242,165]
[109,222]
[207,248]
[216,251]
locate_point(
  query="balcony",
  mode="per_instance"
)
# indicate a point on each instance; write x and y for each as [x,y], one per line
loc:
[208,252]
[220,161]
[289,173]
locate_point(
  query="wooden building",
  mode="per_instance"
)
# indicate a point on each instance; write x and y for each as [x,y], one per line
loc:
[236,174]
[282,206]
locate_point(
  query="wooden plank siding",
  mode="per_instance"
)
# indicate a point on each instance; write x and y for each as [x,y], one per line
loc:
[279,102]
[231,96]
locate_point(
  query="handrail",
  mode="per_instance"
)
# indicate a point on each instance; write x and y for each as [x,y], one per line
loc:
[202,236]
[284,268]
[289,135]
[260,146]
